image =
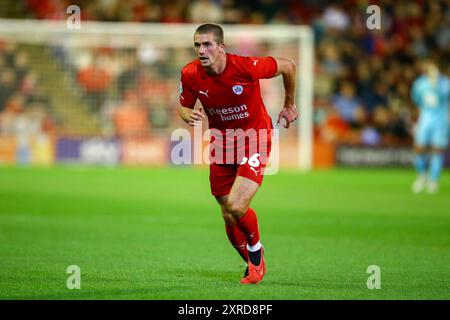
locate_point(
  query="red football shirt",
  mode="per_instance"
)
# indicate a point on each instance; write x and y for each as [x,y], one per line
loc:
[232,99]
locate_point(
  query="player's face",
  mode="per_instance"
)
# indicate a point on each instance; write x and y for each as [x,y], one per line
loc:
[207,49]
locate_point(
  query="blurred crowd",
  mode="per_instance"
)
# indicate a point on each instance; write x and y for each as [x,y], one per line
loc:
[132,92]
[362,77]
[25,107]
[179,11]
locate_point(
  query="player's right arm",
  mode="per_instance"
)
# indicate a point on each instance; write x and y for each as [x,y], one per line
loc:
[187,100]
[191,116]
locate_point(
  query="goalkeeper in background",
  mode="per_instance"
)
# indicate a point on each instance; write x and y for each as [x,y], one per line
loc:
[430,92]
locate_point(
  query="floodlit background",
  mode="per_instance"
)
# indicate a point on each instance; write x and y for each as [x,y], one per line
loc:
[86,176]
[125,88]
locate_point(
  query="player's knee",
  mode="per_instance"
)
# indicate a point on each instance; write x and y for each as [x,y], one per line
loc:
[237,209]
[228,218]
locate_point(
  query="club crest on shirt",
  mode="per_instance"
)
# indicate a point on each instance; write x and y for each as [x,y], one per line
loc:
[238,89]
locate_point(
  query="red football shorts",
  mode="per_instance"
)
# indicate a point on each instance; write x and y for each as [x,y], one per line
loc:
[222,176]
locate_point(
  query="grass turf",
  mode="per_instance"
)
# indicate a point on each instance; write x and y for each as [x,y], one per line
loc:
[157,234]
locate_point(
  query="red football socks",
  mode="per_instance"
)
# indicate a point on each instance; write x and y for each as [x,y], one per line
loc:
[238,240]
[248,224]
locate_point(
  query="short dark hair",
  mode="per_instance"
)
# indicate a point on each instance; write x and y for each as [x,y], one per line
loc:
[211,28]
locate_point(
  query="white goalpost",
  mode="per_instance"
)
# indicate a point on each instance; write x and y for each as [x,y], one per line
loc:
[167,47]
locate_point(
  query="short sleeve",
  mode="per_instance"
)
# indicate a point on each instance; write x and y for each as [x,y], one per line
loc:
[187,97]
[262,67]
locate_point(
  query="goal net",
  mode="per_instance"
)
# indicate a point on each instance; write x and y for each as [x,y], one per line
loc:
[108,92]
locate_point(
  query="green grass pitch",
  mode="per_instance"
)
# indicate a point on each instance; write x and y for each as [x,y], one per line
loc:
[157,233]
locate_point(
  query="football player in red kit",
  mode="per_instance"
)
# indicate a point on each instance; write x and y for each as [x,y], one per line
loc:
[227,86]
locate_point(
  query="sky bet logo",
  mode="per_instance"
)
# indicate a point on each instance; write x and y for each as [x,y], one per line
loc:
[227,114]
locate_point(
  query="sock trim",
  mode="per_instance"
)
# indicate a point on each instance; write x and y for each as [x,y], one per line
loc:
[255,247]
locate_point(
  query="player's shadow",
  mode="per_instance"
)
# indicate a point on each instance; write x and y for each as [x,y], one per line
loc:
[290,283]
[234,277]
[215,274]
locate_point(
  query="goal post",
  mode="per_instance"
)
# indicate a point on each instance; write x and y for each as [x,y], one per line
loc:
[163,49]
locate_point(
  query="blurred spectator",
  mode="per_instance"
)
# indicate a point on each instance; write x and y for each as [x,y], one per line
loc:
[7,86]
[335,18]
[128,73]
[94,80]
[370,136]
[231,12]
[330,59]
[348,105]
[15,104]
[131,118]
[334,128]
[29,83]
[374,94]
[48,9]
[174,11]
[21,65]
[205,10]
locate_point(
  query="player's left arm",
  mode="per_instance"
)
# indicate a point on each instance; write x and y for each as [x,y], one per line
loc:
[288,69]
